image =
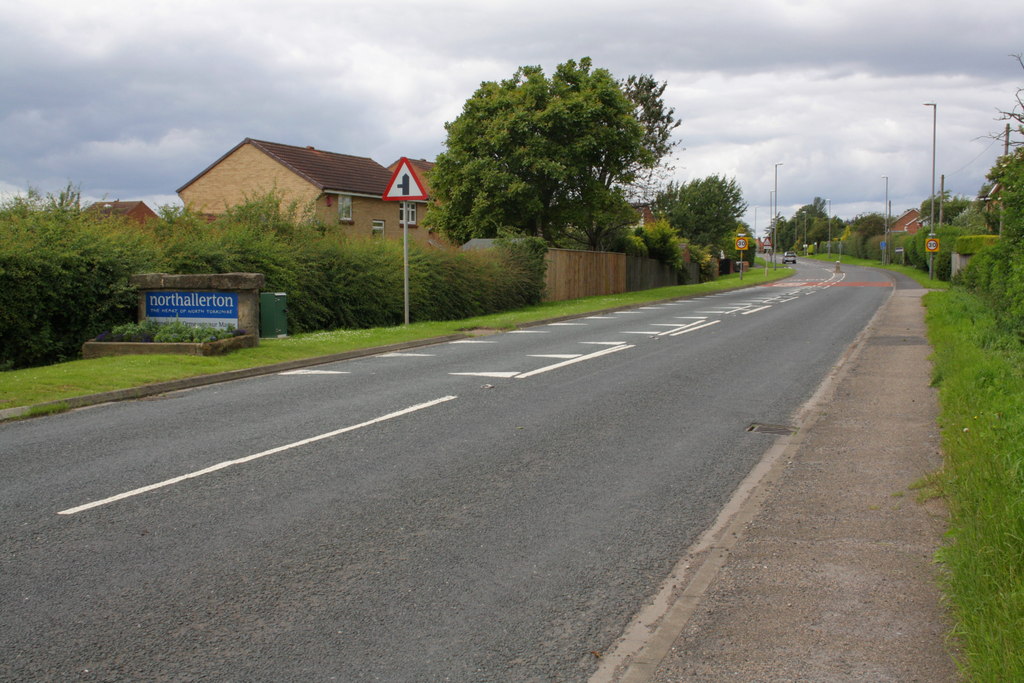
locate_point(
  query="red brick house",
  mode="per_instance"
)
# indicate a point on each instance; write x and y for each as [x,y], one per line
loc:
[909,222]
[135,211]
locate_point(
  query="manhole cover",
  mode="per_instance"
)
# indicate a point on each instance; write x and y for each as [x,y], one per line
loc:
[771,429]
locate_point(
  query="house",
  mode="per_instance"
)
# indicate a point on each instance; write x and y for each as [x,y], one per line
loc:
[341,189]
[135,211]
[909,222]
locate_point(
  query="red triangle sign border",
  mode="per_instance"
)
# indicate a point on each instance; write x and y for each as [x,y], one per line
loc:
[409,188]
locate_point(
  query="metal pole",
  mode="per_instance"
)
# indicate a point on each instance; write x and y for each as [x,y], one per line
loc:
[775,245]
[931,226]
[829,228]
[885,230]
[405,258]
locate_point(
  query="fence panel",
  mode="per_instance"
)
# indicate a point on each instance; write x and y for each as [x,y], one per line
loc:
[573,274]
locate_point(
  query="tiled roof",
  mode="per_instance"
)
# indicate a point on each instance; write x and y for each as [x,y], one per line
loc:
[328,171]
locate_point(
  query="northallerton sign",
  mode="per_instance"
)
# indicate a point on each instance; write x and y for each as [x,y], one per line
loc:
[207,309]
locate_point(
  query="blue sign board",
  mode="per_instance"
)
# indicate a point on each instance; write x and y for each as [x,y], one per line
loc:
[206,309]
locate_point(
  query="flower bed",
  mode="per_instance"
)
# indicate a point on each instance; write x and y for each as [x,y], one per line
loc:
[148,337]
[98,349]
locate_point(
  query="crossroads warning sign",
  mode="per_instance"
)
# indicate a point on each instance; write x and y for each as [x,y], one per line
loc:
[404,185]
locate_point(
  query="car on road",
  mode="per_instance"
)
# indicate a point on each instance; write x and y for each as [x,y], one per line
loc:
[789,257]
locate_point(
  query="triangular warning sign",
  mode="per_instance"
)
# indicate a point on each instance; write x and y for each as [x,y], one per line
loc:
[405,184]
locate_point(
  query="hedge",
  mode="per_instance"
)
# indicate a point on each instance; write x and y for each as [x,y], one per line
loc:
[64,272]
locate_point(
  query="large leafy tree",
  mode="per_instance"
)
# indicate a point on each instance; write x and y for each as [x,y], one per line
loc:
[703,211]
[548,157]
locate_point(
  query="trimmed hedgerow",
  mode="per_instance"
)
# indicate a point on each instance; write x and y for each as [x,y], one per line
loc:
[64,272]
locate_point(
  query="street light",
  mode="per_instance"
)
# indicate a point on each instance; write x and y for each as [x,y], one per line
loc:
[931,225]
[885,217]
[829,228]
[775,239]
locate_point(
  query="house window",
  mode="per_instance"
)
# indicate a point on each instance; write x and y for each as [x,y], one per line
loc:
[378,227]
[407,212]
[344,208]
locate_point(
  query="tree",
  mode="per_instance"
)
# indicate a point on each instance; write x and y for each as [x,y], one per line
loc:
[548,157]
[658,122]
[868,224]
[703,211]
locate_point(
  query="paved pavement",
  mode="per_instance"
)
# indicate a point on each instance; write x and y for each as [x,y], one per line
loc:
[822,568]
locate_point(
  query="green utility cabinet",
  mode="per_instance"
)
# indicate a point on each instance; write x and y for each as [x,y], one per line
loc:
[273,314]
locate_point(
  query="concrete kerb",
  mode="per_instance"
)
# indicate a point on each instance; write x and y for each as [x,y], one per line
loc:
[158,388]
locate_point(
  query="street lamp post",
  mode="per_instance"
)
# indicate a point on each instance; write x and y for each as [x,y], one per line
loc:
[931,224]
[829,228]
[885,218]
[775,239]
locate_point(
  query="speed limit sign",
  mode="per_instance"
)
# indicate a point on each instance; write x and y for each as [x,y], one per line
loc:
[741,244]
[931,244]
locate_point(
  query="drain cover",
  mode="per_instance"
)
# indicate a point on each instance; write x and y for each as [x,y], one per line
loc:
[782,430]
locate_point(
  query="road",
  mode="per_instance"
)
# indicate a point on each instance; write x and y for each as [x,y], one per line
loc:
[491,509]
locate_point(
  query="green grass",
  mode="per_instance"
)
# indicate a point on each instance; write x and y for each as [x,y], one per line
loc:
[979,370]
[35,386]
[919,275]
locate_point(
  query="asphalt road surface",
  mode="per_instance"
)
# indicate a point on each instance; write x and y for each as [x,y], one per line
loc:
[485,510]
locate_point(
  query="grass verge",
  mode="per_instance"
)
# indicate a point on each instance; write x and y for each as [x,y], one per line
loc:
[35,386]
[979,371]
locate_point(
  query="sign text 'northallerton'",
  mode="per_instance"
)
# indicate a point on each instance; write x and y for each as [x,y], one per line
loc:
[212,309]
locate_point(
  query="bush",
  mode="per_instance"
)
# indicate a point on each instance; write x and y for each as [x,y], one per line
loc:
[64,273]
[63,278]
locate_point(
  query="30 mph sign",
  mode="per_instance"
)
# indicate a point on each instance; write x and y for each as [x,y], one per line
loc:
[931,244]
[741,244]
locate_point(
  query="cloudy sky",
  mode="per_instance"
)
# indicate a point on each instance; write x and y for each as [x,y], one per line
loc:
[130,100]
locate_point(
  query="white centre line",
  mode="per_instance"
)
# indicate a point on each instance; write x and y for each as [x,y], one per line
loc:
[602,352]
[694,328]
[313,372]
[755,310]
[255,456]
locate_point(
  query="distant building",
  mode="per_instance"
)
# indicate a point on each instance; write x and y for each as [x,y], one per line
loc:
[137,211]
[909,222]
[342,189]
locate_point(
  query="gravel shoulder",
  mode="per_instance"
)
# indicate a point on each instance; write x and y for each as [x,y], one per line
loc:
[823,567]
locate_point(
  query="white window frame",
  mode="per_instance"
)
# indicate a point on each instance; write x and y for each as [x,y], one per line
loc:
[345,208]
[378,227]
[409,215]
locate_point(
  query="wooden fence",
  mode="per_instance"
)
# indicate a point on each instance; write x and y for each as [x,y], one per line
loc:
[572,274]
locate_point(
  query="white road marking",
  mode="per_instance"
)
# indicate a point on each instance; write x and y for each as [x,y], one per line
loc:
[255,456]
[638,332]
[498,375]
[556,355]
[313,372]
[695,328]
[755,310]
[602,352]
[607,343]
